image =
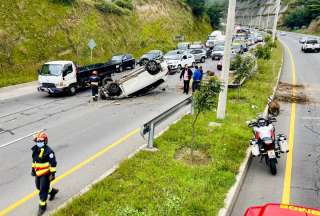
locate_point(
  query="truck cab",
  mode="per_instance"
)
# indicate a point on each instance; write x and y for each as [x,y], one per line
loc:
[57,77]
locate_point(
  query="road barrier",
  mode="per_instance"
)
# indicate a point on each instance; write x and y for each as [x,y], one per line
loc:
[150,126]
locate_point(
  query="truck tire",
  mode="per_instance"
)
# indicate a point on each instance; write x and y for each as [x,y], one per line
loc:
[72,90]
[113,89]
[120,68]
[153,67]
[203,60]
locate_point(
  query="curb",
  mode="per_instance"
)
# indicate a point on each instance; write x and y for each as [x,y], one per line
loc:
[113,169]
[233,193]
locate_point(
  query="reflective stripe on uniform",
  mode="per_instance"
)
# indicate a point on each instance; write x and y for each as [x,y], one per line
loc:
[42,203]
[52,169]
[40,165]
[42,172]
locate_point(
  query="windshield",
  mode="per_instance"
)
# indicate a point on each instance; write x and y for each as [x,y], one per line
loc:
[312,42]
[116,58]
[51,70]
[183,46]
[150,55]
[218,48]
[172,57]
[174,52]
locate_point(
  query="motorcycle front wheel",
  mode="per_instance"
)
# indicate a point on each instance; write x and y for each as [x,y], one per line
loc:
[273,167]
[272,164]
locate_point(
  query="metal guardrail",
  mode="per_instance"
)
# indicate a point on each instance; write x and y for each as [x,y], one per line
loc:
[150,126]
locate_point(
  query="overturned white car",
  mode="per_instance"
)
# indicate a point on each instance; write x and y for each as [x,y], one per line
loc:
[139,81]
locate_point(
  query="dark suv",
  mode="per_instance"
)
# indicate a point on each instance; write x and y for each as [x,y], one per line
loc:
[151,55]
[121,62]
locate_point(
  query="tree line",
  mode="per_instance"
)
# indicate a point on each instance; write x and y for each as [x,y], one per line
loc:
[301,13]
[213,8]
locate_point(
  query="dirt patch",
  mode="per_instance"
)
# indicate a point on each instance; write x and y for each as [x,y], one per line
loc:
[199,157]
[285,93]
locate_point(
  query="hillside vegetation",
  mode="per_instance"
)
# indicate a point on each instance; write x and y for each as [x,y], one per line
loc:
[303,14]
[33,32]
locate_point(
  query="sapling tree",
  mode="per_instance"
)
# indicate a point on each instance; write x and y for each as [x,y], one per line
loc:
[204,99]
[244,66]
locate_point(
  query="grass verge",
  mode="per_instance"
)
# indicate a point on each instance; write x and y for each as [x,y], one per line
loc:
[157,184]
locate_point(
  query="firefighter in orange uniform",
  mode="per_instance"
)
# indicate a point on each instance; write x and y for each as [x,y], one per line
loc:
[44,169]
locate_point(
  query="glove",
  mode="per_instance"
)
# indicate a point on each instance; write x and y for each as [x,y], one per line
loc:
[33,173]
[52,176]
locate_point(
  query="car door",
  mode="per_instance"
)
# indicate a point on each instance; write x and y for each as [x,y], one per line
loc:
[68,75]
[184,60]
[190,60]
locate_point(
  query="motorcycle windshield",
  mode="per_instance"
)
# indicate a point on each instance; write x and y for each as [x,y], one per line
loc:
[267,140]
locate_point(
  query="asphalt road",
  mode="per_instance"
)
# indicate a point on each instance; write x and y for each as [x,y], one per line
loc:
[88,138]
[260,187]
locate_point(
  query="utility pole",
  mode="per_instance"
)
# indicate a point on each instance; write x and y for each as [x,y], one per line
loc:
[221,111]
[276,17]
[268,16]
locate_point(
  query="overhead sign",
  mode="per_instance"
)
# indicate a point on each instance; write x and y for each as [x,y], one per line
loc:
[92,44]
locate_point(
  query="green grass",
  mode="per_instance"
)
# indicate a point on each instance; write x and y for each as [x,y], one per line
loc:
[157,184]
[33,32]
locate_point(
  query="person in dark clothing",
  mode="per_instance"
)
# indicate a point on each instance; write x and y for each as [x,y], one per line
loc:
[196,79]
[43,168]
[94,83]
[186,75]
[201,71]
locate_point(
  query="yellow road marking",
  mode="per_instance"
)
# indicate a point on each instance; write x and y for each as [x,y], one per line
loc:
[70,171]
[288,173]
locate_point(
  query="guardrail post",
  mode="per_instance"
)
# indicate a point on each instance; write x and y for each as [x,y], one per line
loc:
[151,136]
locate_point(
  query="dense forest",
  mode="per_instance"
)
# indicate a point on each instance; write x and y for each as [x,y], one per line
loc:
[303,14]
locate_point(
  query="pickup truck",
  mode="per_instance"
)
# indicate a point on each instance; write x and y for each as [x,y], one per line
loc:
[310,45]
[64,76]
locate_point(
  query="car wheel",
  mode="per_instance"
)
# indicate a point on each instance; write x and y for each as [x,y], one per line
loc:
[133,66]
[153,67]
[120,69]
[72,90]
[113,89]
[203,60]
[106,80]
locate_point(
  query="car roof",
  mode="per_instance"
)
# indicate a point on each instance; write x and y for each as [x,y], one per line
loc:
[281,210]
[59,62]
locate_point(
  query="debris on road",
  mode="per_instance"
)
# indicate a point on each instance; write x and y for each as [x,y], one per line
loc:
[284,93]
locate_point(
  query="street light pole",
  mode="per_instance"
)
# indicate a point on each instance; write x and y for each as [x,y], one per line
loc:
[221,111]
[276,17]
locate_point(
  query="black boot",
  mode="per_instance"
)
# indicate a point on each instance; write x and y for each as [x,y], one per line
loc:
[53,194]
[42,210]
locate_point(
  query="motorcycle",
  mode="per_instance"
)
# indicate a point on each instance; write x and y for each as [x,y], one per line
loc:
[266,144]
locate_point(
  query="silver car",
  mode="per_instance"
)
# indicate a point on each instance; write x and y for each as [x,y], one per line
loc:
[200,55]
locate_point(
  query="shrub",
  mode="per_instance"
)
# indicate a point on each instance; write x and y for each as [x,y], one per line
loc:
[124,4]
[110,7]
[263,52]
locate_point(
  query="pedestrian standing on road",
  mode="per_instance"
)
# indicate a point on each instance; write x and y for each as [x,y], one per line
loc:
[44,169]
[186,75]
[94,83]
[201,71]
[196,79]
